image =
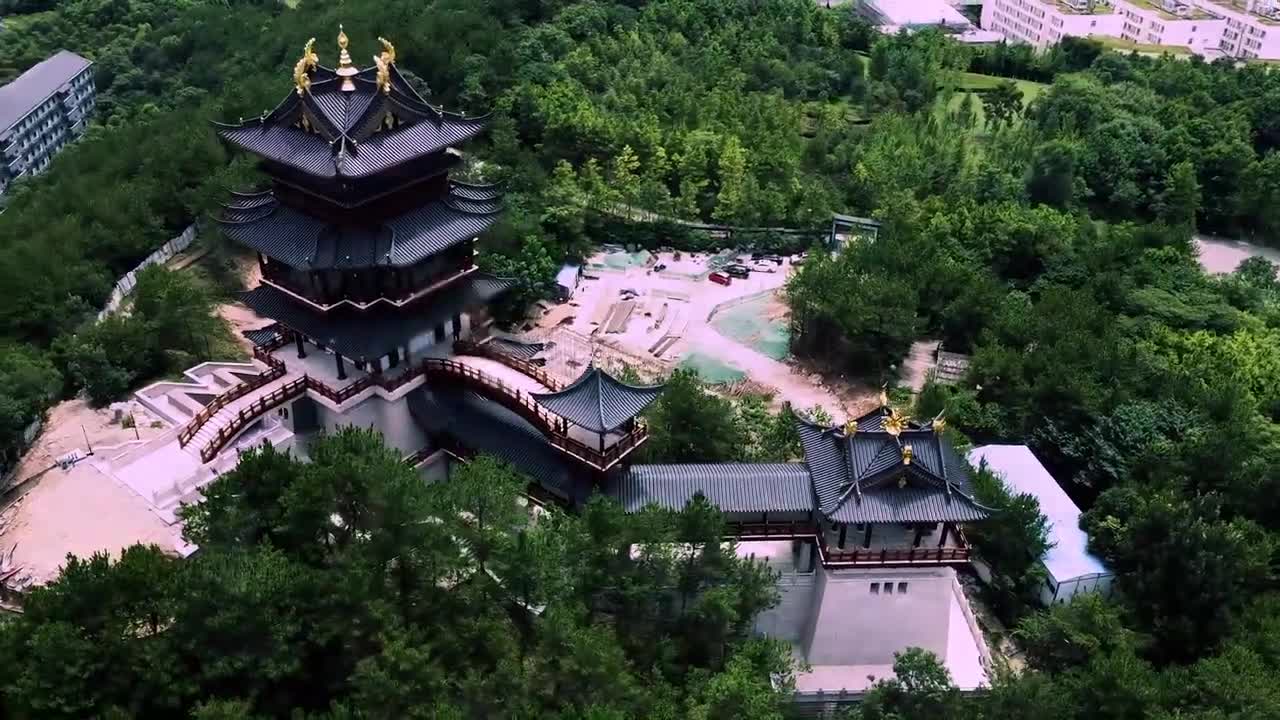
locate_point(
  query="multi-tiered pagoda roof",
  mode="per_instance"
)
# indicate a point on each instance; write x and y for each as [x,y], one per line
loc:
[364,240]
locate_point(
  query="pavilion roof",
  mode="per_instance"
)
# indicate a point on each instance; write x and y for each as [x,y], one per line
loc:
[885,468]
[598,401]
[261,222]
[327,131]
[377,330]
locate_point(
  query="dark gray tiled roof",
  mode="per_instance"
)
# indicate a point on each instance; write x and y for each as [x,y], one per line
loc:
[598,401]
[484,426]
[262,336]
[376,331]
[349,137]
[893,504]
[515,348]
[733,487]
[32,87]
[863,477]
[261,222]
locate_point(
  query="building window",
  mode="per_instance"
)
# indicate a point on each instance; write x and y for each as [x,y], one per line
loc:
[888,588]
[875,588]
[902,588]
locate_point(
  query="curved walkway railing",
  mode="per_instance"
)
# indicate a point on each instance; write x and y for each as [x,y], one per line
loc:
[549,424]
[275,370]
[467,347]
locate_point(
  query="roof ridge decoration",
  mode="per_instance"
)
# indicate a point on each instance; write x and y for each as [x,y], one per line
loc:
[306,65]
[384,61]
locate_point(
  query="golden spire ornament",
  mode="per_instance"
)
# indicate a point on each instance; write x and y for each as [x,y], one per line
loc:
[907,454]
[851,427]
[345,70]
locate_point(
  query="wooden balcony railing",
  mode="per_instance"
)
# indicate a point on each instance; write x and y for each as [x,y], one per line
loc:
[835,557]
[893,556]
[514,399]
[466,347]
[275,370]
[251,412]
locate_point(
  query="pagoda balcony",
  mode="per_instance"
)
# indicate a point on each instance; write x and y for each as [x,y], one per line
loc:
[386,286]
[890,544]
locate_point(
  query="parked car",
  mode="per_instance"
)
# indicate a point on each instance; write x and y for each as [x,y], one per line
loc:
[738,271]
[718,277]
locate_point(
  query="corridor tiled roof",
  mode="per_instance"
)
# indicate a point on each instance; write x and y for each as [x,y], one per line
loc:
[259,221]
[733,487]
[598,401]
[379,329]
[516,348]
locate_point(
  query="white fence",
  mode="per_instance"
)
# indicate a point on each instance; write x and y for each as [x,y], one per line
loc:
[125,285]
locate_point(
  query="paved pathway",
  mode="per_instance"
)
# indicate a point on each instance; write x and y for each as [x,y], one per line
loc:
[791,386]
[918,363]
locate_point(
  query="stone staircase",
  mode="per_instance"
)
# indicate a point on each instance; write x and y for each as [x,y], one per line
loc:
[178,401]
[228,414]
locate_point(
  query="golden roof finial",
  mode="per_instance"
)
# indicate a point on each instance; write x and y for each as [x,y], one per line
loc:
[907,454]
[884,395]
[851,427]
[388,51]
[895,423]
[307,63]
[345,70]
[940,422]
[384,72]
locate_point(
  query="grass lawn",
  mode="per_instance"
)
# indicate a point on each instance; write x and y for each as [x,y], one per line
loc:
[967,82]
[1123,45]
[975,81]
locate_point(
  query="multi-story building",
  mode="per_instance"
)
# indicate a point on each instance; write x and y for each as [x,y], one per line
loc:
[1174,23]
[43,109]
[1044,22]
[1246,29]
[1252,27]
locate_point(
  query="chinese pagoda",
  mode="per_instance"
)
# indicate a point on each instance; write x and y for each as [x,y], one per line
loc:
[364,242]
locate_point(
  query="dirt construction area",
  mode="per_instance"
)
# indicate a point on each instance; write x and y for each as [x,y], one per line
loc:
[666,308]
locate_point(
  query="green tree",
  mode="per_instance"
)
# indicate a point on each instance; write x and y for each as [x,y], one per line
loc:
[1012,543]
[689,424]
[920,688]
[1002,104]
[1068,636]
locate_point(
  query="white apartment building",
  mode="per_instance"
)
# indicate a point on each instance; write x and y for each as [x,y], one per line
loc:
[1252,28]
[1246,29]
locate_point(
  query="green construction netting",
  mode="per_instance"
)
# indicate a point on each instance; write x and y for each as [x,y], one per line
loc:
[622,260]
[750,324]
[711,369]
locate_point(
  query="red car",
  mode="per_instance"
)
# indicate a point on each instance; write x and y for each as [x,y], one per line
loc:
[717,277]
